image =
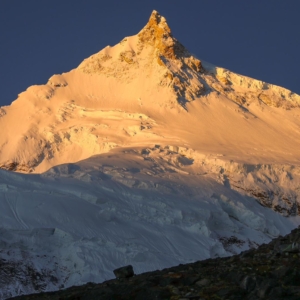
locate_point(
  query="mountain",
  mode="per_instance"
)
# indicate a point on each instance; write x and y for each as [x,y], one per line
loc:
[162,94]
[142,155]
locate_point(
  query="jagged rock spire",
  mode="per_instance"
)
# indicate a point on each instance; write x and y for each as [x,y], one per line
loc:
[158,34]
[156,20]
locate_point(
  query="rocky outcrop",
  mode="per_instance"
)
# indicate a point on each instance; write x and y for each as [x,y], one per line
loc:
[157,34]
[271,271]
[244,90]
[2,112]
[124,272]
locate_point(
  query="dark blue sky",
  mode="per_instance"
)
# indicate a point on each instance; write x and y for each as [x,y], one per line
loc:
[257,38]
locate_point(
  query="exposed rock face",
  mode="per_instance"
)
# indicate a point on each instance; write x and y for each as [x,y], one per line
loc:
[2,112]
[244,90]
[157,33]
[57,81]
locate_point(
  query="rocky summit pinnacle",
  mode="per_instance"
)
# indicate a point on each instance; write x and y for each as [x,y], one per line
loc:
[157,33]
[157,21]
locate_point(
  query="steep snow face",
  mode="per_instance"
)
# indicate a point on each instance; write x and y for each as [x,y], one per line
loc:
[148,89]
[149,207]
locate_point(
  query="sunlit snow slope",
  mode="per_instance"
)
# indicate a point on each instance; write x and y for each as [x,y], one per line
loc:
[147,156]
[148,89]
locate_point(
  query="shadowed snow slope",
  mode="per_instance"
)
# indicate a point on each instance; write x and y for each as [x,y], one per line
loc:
[146,207]
[146,156]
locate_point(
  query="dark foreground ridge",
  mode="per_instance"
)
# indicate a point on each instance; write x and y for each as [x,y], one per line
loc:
[271,271]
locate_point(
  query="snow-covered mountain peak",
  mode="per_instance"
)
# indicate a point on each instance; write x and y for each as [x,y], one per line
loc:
[146,90]
[156,56]
[153,54]
[149,157]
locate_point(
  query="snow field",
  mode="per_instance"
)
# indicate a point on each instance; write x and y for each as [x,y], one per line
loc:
[78,222]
